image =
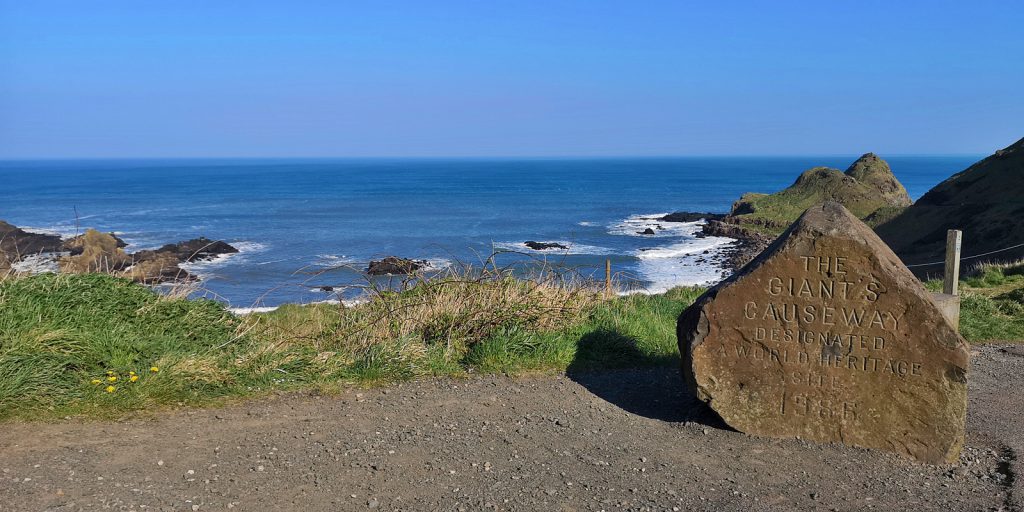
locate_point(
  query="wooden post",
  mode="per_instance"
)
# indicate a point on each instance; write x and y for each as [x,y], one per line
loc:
[951,279]
[608,278]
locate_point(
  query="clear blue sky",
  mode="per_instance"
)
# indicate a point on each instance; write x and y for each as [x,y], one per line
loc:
[179,78]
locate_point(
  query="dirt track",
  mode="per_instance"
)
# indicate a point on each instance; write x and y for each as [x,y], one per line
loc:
[626,440]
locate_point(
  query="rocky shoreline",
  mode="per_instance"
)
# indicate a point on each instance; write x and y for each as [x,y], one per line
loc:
[29,252]
[748,243]
[93,251]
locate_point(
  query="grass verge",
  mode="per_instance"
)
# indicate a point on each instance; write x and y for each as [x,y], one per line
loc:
[102,346]
[85,344]
[992,306]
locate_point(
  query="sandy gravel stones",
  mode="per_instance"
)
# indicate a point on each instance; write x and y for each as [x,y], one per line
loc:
[828,337]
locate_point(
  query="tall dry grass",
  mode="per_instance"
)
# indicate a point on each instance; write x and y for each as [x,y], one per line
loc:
[450,310]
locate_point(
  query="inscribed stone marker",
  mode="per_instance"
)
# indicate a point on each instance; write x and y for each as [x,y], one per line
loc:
[827,336]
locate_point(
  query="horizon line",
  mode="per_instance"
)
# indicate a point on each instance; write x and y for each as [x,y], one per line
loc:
[479,157]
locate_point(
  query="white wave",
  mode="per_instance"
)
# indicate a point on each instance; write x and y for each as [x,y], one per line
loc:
[249,311]
[635,225]
[203,268]
[245,246]
[270,262]
[438,263]
[60,230]
[572,248]
[268,309]
[683,260]
[37,264]
[683,248]
[684,266]
[348,303]
[332,260]
[586,223]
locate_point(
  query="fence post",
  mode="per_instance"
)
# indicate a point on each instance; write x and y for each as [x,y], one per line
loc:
[608,278]
[951,278]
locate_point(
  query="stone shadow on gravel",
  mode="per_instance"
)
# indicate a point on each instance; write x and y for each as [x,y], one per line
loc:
[610,366]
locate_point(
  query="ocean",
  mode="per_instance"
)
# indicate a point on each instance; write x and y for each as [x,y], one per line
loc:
[302,224]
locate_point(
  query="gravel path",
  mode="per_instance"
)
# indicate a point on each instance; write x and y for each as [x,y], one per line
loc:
[624,440]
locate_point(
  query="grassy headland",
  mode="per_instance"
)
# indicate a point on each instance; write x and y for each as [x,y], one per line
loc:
[867,188]
[98,345]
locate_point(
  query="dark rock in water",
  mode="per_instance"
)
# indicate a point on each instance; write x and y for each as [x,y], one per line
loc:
[827,336]
[647,231]
[197,249]
[162,265]
[690,216]
[160,269]
[327,288]
[16,243]
[543,246]
[749,243]
[393,265]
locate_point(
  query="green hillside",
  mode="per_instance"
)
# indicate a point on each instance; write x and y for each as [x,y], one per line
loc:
[868,189]
[986,201]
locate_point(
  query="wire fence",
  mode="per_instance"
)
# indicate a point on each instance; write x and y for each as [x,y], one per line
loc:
[943,262]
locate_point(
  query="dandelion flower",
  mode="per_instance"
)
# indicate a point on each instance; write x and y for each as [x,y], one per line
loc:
[96,381]
[110,372]
[133,378]
[131,373]
[110,389]
[154,369]
[112,378]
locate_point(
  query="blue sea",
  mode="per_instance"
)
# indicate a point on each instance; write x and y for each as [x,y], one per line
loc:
[305,223]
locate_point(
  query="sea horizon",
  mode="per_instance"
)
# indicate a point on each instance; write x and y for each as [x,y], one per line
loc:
[302,224]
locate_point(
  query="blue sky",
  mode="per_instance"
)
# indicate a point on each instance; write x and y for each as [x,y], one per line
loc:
[93,78]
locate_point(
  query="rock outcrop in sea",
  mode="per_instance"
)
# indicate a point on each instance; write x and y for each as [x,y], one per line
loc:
[94,251]
[393,265]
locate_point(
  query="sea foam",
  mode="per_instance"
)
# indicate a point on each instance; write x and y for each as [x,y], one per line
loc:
[572,248]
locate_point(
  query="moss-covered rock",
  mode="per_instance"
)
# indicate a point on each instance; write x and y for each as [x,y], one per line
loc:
[874,172]
[868,187]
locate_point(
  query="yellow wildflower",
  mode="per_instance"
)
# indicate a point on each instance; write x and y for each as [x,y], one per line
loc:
[133,378]
[112,378]
[110,389]
[96,381]
[154,369]
[110,372]
[131,373]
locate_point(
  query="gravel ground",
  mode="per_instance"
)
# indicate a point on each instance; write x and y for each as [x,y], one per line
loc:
[624,440]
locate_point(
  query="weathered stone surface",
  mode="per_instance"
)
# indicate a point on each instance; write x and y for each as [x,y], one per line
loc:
[827,336]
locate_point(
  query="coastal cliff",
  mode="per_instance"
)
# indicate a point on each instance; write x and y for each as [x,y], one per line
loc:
[985,201]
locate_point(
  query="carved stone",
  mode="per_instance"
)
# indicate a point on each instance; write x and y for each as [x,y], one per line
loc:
[828,337]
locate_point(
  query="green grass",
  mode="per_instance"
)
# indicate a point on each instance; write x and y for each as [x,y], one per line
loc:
[59,333]
[992,303]
[772,213]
